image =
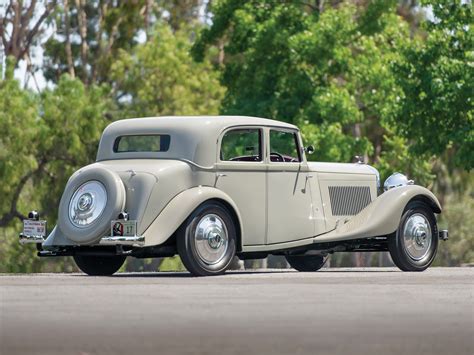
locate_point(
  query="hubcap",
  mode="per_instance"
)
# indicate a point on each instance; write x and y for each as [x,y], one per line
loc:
[211,239]
[417,236]
[87,203]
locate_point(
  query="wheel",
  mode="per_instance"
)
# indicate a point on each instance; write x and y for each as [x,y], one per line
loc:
[415,243]
[207,240]
[99,265]
[306,262]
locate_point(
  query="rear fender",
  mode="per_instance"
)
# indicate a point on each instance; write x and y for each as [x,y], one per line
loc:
[180,207]
[382,216]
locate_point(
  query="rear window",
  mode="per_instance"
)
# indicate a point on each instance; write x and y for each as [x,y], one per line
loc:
[142,143]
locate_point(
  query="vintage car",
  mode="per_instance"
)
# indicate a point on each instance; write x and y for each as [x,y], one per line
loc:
[211,188]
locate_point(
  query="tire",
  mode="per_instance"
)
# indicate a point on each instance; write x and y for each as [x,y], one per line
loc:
[415,243]
[99,265]
[115,192]
[306,263]
[206,241]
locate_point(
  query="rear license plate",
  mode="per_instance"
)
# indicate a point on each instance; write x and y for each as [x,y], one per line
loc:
[34,228]
[121,228]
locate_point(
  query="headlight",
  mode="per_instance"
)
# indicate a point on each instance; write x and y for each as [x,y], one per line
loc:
[396,180]
[87,203]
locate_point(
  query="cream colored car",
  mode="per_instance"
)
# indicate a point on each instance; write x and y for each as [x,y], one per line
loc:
[211,188]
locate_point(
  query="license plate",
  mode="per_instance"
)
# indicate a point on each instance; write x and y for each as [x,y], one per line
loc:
[121,228]
[34,228]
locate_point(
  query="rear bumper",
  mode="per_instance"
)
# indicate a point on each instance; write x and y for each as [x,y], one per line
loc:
[137,241]
[31,239]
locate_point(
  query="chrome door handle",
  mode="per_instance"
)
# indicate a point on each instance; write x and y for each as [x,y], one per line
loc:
[221,175]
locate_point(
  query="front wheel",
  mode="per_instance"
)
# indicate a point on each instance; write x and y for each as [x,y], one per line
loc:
[306,262]
[99,265]
[207,240]
[415,243]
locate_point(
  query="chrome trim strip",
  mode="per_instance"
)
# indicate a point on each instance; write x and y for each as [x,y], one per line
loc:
[120,240]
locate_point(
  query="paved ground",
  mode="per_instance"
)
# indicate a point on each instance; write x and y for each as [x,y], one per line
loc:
[336,311]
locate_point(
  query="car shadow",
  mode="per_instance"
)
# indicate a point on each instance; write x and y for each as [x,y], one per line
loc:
[185,274]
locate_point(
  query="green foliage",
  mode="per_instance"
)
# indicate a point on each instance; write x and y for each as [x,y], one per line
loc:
[356,77]
[437,79]
[159,78]
[329,72]
[457,218]
[45,139]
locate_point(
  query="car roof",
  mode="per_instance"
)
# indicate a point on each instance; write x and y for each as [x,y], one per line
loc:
[203,122]
[192,137]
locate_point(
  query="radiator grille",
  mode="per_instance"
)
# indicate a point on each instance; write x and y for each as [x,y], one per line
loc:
[348,200]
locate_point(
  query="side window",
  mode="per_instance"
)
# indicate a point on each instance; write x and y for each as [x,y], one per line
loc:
[241,145]
[284,147]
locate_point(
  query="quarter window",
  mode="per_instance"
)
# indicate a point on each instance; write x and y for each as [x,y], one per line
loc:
[241,145]
[284,147]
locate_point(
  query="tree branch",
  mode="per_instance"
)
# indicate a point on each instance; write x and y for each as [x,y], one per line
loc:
[13,213]
[32,33]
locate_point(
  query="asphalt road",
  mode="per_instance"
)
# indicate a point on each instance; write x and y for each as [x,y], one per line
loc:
[334,311]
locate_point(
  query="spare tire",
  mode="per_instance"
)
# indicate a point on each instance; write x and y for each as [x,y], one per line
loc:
[92,198]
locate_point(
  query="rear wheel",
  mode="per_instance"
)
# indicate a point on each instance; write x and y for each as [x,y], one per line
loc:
[207,240]
[306,262]
[99,265]
[415,243]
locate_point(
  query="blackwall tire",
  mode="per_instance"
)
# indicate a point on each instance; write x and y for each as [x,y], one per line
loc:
[306,263]
[417,257]
[115,203]
[200,240]
[99,265]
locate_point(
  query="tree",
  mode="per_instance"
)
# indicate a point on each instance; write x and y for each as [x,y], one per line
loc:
[91,33]
[326,68]
[21,25]
[88,35]
[160,78]
[45,138]
[436,76]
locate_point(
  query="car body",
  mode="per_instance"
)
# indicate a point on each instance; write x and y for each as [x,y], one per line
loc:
[211,187]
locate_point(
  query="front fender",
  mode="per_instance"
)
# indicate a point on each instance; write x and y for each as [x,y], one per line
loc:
[382,216]
[179,208]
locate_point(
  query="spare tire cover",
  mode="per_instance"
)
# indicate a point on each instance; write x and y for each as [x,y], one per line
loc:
[101,178]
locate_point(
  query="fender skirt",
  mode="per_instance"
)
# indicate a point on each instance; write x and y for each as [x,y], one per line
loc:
[382,216]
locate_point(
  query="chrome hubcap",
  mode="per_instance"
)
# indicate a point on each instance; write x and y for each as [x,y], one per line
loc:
[417,236]
[87,203]
[211,239]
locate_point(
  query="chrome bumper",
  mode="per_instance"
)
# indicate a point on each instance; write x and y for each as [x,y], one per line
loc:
[27,239]
[137,241]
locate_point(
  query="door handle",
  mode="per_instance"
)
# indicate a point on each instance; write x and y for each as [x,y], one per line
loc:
[221,175]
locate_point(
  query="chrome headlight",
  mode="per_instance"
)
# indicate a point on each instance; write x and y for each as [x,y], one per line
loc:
[396,180]
[87,203]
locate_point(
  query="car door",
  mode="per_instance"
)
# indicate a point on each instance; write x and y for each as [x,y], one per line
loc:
[241,173]
[290,212]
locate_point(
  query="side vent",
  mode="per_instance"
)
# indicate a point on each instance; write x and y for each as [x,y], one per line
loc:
[349,200]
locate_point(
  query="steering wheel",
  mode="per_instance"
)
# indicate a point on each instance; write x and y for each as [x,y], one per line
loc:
[278,155]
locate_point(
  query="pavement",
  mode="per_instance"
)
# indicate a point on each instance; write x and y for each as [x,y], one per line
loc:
[332,311]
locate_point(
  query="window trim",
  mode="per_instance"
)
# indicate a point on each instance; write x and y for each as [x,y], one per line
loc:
[242,128]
